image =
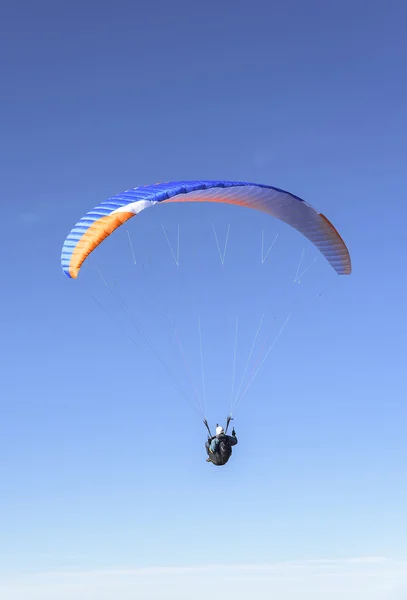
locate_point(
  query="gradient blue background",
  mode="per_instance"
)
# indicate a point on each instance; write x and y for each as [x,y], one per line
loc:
[100,97]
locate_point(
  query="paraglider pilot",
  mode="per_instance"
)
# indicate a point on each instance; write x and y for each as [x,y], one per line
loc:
[219,446]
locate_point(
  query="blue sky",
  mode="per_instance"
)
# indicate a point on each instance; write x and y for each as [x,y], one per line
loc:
[102,465]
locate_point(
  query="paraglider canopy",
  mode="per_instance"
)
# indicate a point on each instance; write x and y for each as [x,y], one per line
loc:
[101,221]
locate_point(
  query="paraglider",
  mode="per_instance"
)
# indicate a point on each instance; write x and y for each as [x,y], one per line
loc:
[92,229]
[219,446]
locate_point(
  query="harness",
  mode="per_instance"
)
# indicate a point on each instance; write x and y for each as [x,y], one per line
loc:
[223,451]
